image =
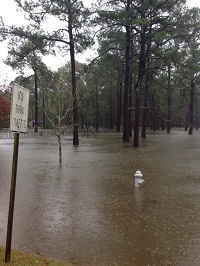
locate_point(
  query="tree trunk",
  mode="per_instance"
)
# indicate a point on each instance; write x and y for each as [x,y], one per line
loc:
[97,112]
[138,87]
[43,112]
[130,97]
[126,79]
[36,101]
[57,132]
[169,100]
[119,94]
[60,148]
[153,116]
[119,105]
[111,111]
[137,119]
[191,108]
[163,124]
[130,104]
[73,70]
[196,113]
[169,114]
[146,85]
[187,119]
[143,134]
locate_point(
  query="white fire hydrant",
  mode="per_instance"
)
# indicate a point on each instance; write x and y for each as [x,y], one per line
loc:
[138,178]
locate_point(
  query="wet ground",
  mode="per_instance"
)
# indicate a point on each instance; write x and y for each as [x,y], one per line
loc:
[88,211]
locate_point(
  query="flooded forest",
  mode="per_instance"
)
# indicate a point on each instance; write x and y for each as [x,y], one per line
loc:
[131,104]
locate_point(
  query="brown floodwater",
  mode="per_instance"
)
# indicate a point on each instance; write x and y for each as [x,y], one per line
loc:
[88,211]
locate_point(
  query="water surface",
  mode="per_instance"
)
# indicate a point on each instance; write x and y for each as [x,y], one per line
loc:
[88,211]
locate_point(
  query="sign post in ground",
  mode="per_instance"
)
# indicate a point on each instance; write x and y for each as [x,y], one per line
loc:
[18,124]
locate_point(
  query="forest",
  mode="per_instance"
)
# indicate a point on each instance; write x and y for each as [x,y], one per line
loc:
[145,73]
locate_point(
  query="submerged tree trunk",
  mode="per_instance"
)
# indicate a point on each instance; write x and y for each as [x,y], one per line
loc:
[191,108]
[73,70]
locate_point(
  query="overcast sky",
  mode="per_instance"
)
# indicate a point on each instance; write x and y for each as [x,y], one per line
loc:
[10,16]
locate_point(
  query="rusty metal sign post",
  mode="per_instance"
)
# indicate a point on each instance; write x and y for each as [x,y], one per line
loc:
[18,124]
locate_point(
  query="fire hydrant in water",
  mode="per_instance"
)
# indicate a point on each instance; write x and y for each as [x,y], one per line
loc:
[138,178]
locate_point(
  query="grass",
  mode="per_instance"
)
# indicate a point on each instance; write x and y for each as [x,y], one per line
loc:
[22,259]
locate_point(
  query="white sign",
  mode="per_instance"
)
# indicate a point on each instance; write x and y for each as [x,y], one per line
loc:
[19,109]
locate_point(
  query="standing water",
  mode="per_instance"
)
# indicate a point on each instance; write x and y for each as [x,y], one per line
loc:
[89,212]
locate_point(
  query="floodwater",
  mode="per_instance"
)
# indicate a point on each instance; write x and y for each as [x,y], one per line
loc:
[88,211]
